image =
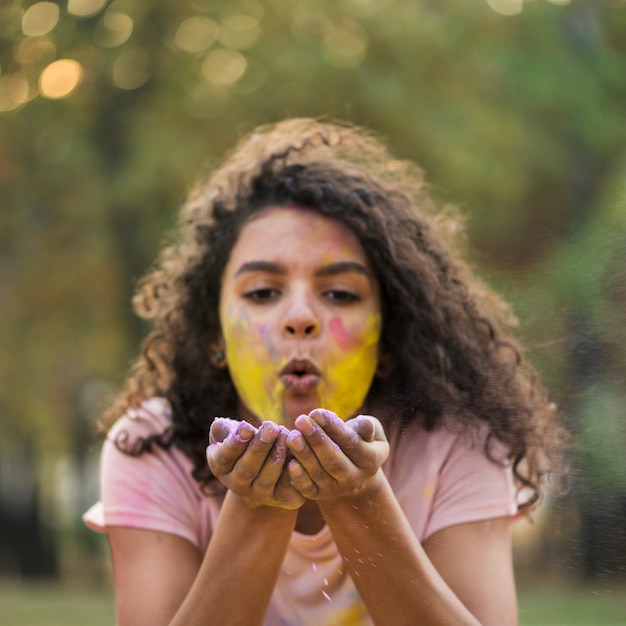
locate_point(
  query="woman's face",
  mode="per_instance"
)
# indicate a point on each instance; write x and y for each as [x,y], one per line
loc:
[300,314]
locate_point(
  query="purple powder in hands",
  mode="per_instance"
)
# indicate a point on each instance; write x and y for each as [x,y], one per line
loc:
[333,420]
[243,425]
[220,429]
[226,422]
[281,440]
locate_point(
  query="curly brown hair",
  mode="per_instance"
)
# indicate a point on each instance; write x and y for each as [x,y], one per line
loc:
[448,353]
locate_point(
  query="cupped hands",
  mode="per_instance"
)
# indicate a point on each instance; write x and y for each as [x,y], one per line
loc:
[322,458]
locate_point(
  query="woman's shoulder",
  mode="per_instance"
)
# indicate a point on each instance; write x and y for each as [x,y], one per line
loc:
[151,417]
[415,436]
[451,474]
[438,445]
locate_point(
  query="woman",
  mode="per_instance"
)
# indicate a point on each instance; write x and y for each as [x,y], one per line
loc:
[374,430]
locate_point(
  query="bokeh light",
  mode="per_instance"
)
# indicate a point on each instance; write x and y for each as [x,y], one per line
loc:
[506,7]
[240,31]
[345,45]
[310,26]
[31,51]
[113,29]
[60,79]
[85,8]
[196,34]
[131,69]
[14,92]
[39,19]
[224,67]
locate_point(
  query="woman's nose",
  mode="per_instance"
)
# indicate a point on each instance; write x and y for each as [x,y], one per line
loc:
[301,319]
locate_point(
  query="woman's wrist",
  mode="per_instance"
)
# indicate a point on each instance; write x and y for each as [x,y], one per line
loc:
[257,507]
[366,495]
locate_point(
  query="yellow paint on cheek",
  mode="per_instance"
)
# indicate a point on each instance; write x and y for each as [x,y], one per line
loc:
[348,369]
[351,371]
[253,370]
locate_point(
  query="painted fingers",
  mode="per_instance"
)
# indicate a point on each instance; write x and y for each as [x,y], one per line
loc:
[250,462]
[333,458]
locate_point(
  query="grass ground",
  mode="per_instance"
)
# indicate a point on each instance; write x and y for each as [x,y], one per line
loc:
[580,606]
[51,605]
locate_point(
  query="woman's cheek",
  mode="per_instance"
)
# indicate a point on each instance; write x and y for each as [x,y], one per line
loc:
[339,333]
[250,355]
[355,338]
[352,365]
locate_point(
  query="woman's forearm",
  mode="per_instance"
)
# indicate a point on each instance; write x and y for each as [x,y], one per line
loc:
[240,568]
[396,580]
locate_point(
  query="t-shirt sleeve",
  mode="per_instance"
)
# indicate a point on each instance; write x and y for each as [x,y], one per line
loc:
[471,487]
[152,491]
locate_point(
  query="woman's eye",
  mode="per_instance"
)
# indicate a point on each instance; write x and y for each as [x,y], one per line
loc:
[261,295]
[342,297]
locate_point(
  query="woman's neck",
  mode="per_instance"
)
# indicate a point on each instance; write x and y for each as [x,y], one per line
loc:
[310,520]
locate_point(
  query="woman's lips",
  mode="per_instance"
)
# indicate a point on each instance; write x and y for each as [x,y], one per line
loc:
[300,383]
[300,376]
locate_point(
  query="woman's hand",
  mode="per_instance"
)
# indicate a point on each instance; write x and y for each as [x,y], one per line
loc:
[335,459]
[250,462]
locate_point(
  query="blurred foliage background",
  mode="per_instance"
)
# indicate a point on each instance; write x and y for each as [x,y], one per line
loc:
[110,109]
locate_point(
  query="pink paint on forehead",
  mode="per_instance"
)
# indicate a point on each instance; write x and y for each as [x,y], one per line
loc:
[338,330]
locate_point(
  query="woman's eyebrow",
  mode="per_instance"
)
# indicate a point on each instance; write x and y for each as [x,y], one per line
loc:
[341,268]
[332,269]
[262,266]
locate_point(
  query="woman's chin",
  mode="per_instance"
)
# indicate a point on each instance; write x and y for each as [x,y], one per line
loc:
[285,415]
[289,420]
[294,409]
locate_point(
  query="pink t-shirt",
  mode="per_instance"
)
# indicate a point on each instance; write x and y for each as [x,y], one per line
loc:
[440,478]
